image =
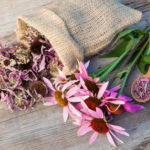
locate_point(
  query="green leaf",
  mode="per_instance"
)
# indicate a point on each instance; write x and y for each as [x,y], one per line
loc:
[146,59]
[142,67]
[126,32]
[147,29]
[147,51]
[117,51]
[120,74]
[102,70]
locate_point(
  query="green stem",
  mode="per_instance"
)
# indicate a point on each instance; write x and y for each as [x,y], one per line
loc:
[102,70]
[131,66]
[117,61]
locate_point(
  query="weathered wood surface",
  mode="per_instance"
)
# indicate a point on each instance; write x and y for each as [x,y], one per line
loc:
[43,127]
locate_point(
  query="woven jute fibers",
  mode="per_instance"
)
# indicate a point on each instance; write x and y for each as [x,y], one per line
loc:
[79,28]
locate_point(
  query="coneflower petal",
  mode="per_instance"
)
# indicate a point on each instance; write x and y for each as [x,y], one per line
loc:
[72,91]
[74,110]
[84,129]
[116,127]
[49,84]
[68,84]
[110,139]
[116,137]
[102,90]
[65,113]
[93,138]
[99,112]
[61,74]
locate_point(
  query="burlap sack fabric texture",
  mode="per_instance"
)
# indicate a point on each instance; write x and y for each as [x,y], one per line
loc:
[79,28]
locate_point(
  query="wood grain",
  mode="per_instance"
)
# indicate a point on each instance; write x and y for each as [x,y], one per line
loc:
[43,127]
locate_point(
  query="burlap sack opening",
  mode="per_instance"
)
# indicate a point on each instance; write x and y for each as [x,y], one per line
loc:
[78,29]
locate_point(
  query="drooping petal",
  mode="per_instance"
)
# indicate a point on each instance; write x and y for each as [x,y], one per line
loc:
[116,137]
[99,112]
[74,110]
[84,129]
[133,108]
[49,84]
[94,114]
[110,139]
[93,137]
[113,94]
[50,100]
[72,91]
[83,132]
[68,84]
[96,79]
[121,132]
[65,113]
[84,105]
[48,104]
[83,69]
[102,90]
[75,99]
[87,64]
[61,74]
[117,102]
[115,88]
[83,83]
[116,127]
[42,64]
[125,98]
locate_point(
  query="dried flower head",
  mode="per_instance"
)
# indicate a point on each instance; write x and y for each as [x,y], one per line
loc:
[39,87]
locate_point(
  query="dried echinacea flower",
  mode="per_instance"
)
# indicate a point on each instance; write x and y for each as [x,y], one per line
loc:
[44,56]
[39,87]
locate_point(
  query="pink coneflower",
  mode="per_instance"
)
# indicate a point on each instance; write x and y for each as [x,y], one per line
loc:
[102,99]
[97,122]
[128,106]
[87,82]
[64,96]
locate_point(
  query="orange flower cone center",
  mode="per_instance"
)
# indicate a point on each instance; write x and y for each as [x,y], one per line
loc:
[99,125]
[115,109]
[92,102]
[61,101]
[92,86]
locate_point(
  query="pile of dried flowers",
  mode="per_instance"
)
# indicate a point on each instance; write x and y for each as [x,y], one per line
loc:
[25,79]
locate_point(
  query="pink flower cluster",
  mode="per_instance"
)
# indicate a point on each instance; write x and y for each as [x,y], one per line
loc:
[89,103]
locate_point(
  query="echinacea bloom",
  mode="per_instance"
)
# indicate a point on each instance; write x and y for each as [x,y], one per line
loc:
[87,82]
[97,122]
[102,99]
[64,96]
[128,106]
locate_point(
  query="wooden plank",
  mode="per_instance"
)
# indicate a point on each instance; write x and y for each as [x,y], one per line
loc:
[43,127]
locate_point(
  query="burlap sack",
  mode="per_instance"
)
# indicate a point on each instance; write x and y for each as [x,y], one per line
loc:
[79,28]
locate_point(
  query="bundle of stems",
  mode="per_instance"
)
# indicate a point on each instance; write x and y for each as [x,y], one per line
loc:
[133,49]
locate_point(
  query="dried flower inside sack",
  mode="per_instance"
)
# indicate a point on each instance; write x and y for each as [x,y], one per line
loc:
[44,56]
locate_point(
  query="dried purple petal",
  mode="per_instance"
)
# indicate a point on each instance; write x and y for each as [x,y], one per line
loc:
[142,88]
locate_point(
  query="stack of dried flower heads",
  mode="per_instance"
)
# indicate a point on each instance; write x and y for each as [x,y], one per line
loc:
[25,79]
[22,69]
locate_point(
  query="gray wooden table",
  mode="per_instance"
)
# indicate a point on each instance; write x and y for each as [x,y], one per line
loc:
[42,128]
